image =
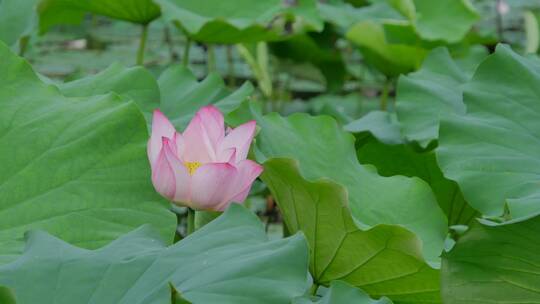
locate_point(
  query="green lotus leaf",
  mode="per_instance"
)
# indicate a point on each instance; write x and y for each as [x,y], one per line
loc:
[384,260]
[447,20]
[74,167]
[241,21]
[392,59]
[342,293]
[18,19]
[325,151]
[494,264]
[53,12]
[182,95]
[177,92]
[135,83]
[229,260]
[381,124]
[405,160]
[492,151]
[427,95]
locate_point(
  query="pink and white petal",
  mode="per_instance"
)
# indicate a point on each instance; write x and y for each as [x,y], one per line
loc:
[182,178]
[247,172]
[161,127]
[240,138]
[198,146]
[210,185]
[163,177]
[213,122]
[227,156]
[179,146]
[241,197]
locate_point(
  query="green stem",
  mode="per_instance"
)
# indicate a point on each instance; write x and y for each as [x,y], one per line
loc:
[263,61]
[187,47]
[230,66]
[286,231]
[142,44]
[384,95]
[211,59]
[23,45]
[190,221]
[168,40]
[314,289]
[259,66]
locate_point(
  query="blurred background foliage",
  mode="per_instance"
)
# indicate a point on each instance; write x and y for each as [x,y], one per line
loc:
[335,57]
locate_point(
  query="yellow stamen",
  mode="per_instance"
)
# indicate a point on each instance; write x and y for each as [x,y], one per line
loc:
[192,167]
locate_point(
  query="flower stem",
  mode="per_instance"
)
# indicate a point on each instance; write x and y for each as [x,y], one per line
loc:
[142,45]
[230,66]
[190,221]
[187,47]
[23,44]
[384,95]
[314,288]
[210,58]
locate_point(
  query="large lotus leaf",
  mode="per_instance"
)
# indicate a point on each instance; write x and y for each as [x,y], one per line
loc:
[387,150]
[392,59]
[53,12]
[182,95]
[325,151]
[230,260]
[344,108]
[342,293]
[241,21]
[403,159]
[177,92]
[384,260]
[381,124]
[494,264]
[75,167]
[135,83]
[346,15]
[425,96]
[447,20]
[493,151]
[18,18]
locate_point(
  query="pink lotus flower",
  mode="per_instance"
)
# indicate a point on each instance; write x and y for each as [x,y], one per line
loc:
[203,168]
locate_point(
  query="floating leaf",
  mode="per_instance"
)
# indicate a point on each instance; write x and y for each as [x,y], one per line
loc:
[230,260]
[75,167]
